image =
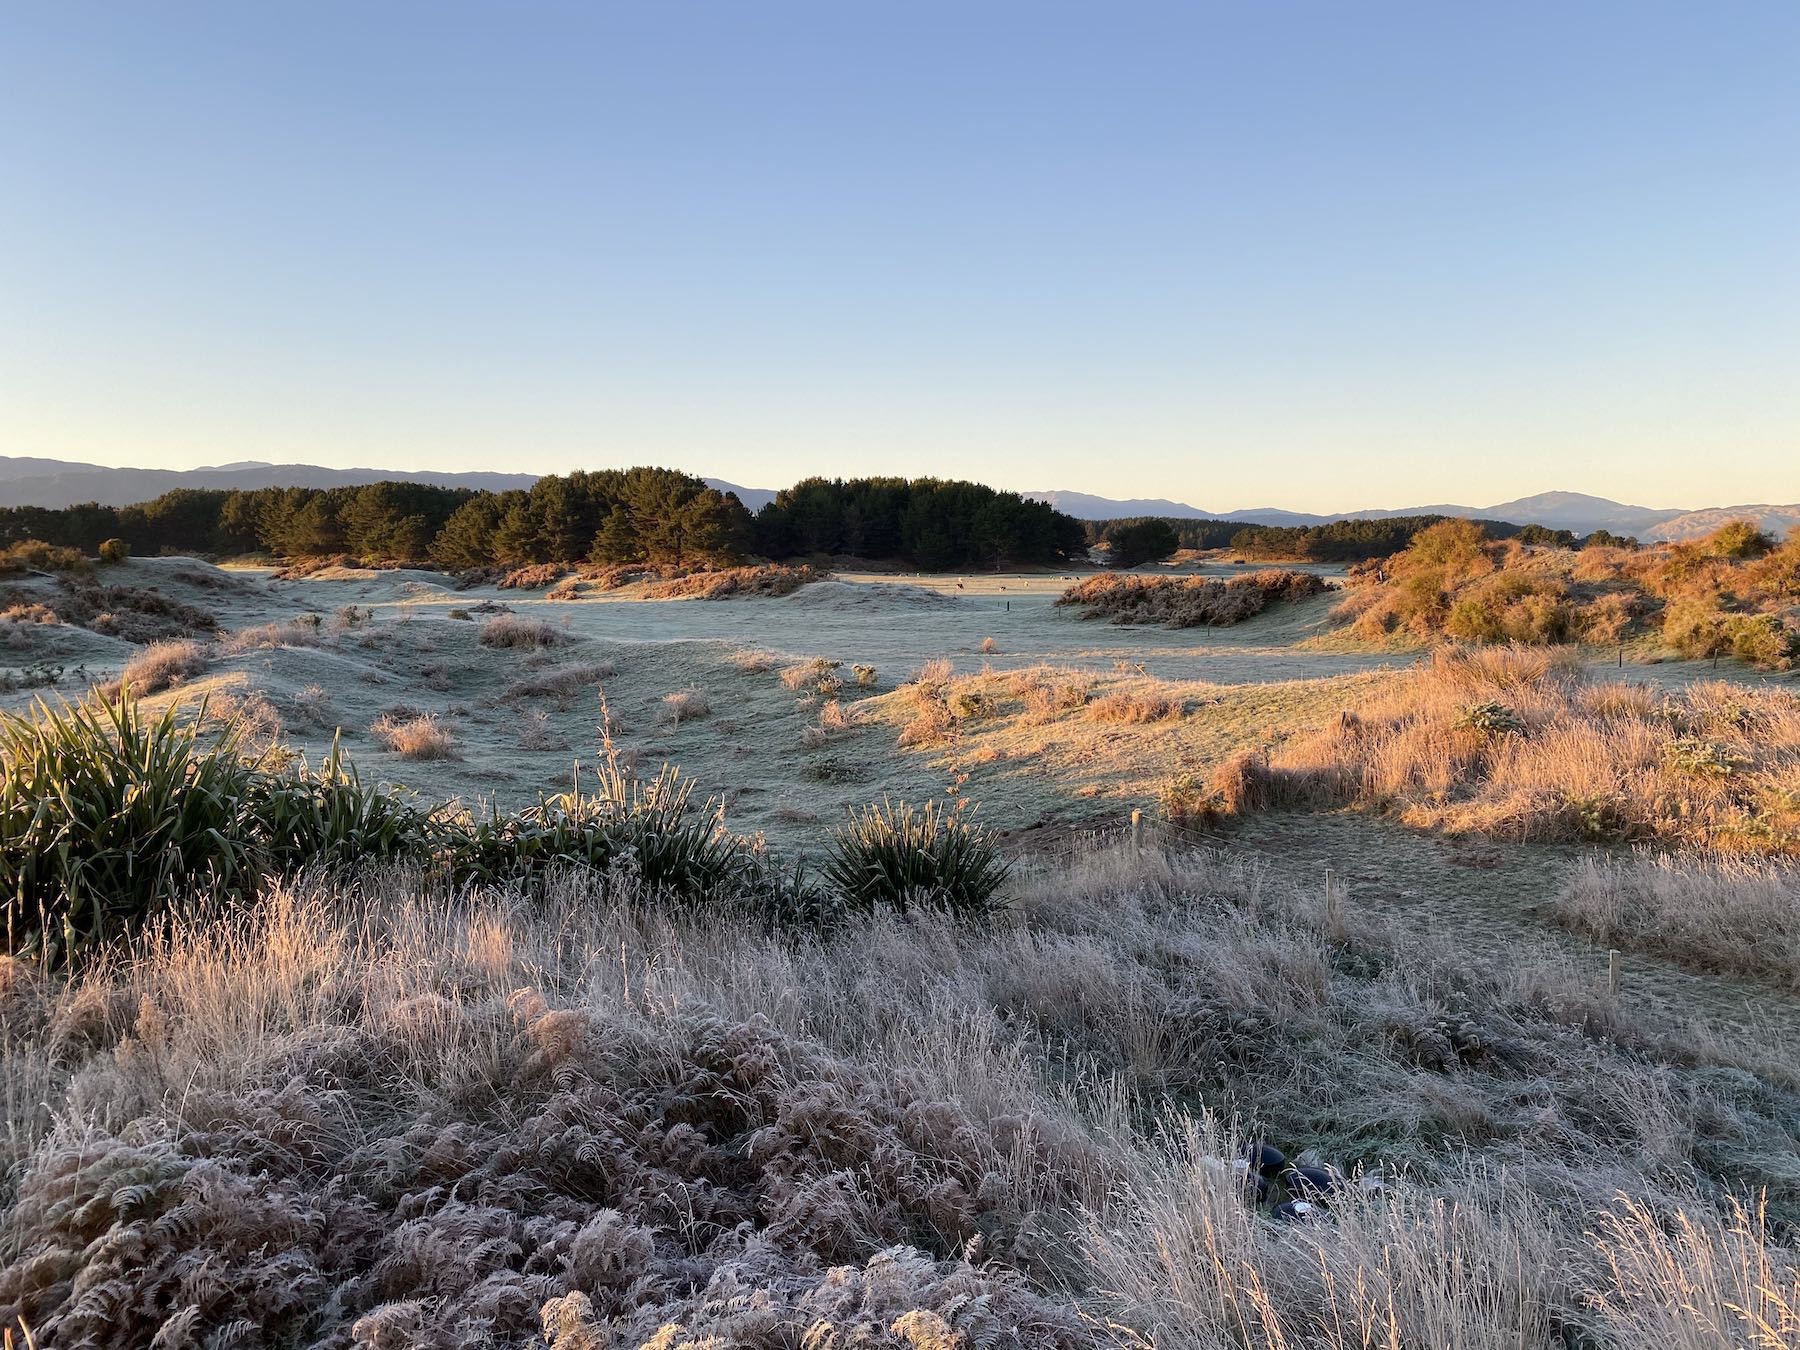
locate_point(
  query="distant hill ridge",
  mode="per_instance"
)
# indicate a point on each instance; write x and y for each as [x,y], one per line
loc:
[30,481]
[1574,511]
[26,481]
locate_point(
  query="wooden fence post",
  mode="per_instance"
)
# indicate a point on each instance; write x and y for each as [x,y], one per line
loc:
[1137,832]
[1612,972]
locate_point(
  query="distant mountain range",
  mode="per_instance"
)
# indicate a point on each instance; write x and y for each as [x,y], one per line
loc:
[26,481]
[1558,510]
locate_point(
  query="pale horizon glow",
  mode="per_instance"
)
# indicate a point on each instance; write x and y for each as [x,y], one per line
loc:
[1312,256]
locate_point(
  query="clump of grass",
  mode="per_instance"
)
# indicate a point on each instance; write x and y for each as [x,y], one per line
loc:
[509,632]
[537,734]
[29,612]
[865,676]
[162,665]
[410,736]
[833,720]
[936,672]
[909,857]
[927,694]
[313,706]
[920,1131]
[685,705]
[1047,694]
[561,682]
[305,631]
[753,661]
[1134,706]
[817,676]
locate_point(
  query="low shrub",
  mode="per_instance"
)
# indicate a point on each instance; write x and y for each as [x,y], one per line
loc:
[163,665]
[114,551]
[513,633]
[1739,539]
[34,555]
[1188,602]
[134,613]
[534,577]
[908,857]
[765,579]
[1491,719]
[1762,640]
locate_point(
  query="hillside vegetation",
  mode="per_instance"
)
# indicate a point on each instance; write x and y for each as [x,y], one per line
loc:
[1735,593]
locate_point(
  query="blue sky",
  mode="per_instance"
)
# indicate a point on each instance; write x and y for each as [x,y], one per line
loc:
[1311,255]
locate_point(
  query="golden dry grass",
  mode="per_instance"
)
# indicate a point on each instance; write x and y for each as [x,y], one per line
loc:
[1514,743]
[1134,706]
[414,736]
[685,705]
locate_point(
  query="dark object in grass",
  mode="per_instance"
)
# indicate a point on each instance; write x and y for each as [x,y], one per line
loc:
[1265,1158]
[1312,1183]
